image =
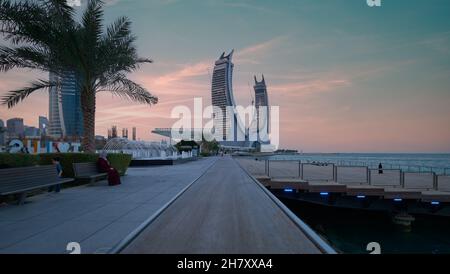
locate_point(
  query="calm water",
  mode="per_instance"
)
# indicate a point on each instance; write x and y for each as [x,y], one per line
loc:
[439,163]
[349,231]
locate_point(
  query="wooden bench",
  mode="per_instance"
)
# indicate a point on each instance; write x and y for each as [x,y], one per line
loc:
[88,171]
[20,180]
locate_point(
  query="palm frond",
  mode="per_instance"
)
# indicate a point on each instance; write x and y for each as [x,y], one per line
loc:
[12,98]
[92,21]
[125,88]
[18,20]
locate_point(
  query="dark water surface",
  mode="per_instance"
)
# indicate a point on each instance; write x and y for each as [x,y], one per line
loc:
[349,230]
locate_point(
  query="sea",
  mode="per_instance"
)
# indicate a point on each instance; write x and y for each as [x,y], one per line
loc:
[349,231]
[414,162]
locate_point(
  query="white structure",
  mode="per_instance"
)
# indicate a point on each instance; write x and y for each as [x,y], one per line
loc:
[141,149]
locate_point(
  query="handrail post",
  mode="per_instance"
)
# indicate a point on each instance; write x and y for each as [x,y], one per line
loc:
[367,175]
[268,168]
[370,176]
[402,179]
[334,173]
[301,170]
[435,181]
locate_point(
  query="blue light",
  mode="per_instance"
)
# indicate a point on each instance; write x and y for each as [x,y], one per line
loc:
[288,190]
[361,197]
[323,193]
[398,200]
[435,203]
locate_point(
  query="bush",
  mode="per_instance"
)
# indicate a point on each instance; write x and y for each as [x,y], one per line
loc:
[9,160]
[120,162]
[67,159]
[205,154]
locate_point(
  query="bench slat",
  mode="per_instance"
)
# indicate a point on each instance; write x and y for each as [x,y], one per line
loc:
[23,179]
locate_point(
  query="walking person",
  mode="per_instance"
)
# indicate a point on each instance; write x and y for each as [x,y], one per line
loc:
[57,163]
[380,169]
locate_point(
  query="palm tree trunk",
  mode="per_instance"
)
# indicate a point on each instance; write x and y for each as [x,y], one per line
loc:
[88,108]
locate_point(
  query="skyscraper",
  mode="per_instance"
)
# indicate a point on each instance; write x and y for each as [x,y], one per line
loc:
[43,125]
[125,133]
[262,100]
[15,127]
[134,134]
[66,119]
[2,133]
[222,97]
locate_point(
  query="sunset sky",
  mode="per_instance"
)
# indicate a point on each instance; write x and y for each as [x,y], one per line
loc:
[347,77]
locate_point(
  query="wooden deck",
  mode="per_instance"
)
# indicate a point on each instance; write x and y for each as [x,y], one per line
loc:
[224,211]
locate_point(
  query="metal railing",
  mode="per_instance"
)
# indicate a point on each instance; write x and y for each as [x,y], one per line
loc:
[402,176]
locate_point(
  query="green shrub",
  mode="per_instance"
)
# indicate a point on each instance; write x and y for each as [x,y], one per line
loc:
[67,159]
[11,160]
[120,162]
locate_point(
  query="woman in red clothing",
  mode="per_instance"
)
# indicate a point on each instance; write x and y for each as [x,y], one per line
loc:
[104,167]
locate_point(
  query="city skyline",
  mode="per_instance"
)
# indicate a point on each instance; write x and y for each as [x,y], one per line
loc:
[347,78]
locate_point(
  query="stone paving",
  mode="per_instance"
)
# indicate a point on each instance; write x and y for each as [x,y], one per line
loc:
[97,216]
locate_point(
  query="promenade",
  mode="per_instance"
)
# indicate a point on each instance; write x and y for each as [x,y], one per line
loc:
[225,211]
[97,216]
[207,206]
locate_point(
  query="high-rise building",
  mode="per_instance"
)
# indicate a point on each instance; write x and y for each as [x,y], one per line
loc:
[222,98]
[43,125]
[31,132]
[125,133]
[2,133]
[262,100]
[134,134]
[15,128]
[112,133]
[66,119]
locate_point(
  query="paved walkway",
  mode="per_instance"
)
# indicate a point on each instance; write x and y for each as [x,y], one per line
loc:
[96,216]
[225,211]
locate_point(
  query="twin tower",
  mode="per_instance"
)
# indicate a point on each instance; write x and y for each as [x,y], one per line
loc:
[223,98]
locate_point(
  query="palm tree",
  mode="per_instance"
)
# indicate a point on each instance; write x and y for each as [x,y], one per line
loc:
[44,35]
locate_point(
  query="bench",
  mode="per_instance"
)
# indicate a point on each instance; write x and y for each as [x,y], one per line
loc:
[20,180]
[88,171]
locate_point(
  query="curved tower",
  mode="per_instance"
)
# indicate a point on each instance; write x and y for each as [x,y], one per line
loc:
[65,116]
[262,100]
[228,124]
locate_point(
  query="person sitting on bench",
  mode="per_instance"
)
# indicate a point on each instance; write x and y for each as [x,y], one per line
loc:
[104,167]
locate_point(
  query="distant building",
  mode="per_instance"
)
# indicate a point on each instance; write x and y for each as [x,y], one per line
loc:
[15,128]
[2,133]
[66,119]
[100,142]
[262,100]
[134,134]
[43,125]
[125,133]
[112,132]
[31,132]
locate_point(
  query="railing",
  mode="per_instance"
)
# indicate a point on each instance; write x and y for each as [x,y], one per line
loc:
[353,172]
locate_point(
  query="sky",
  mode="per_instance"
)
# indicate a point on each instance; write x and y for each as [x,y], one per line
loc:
[347,77]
